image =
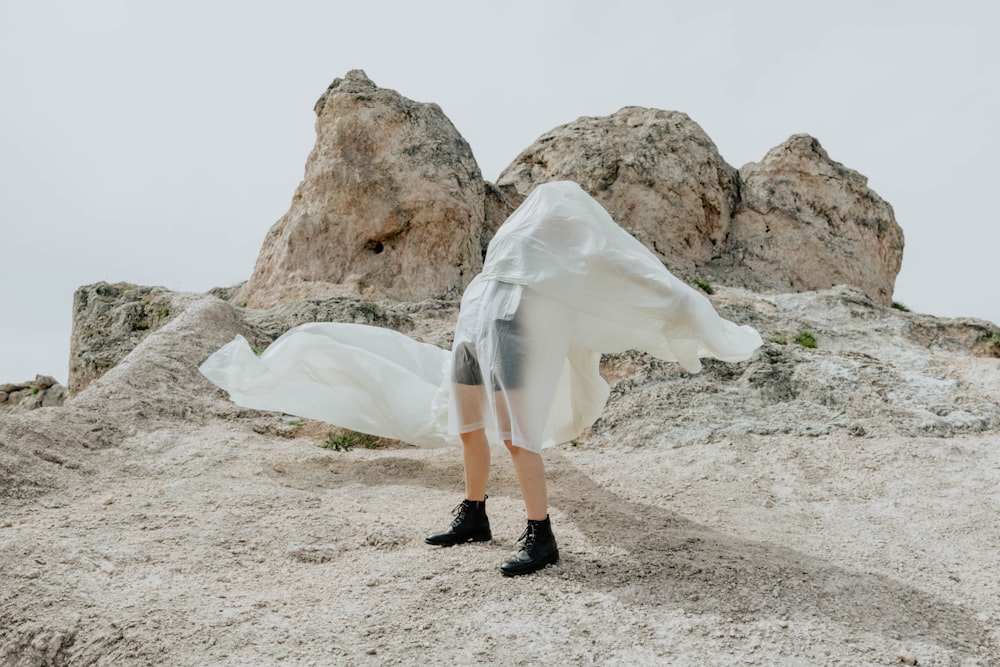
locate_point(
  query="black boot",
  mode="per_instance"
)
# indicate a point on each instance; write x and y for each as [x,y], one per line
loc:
[470,525]
[537,549]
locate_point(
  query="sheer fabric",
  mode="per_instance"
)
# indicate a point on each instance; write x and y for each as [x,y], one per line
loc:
[561,284]
[508,358]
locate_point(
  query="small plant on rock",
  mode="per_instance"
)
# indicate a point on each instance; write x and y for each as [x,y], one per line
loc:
[348,440]
[806,339]
[704,286]
[899,306]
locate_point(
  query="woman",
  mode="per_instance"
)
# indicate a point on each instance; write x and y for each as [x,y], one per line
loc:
[561,284]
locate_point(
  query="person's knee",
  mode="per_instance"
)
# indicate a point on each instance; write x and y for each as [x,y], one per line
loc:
[520,452]
[475,439]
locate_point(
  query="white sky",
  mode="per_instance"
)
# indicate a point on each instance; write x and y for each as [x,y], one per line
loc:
[156,143]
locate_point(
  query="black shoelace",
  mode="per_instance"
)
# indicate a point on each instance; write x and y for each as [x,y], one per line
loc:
[459,514]
[527,538]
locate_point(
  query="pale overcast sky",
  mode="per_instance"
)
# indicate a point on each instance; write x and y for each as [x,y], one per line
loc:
[156,143]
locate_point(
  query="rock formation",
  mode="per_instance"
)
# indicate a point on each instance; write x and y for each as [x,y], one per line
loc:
[392,204]
[806,222]
[109,320]
[796,221]
[43,392]
[876,371]
[657,172]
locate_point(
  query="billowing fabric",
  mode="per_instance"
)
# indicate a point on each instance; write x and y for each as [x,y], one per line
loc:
[561,284]
[368,379]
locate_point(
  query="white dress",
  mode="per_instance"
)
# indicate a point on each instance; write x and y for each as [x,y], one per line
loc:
[562,283]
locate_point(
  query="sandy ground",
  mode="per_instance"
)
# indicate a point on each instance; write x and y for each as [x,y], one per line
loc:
[836,506]
[211,544]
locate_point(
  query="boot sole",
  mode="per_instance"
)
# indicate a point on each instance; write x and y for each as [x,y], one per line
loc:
[452,543]
[551,559]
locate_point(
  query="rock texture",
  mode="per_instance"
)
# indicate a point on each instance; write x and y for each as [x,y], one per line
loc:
[806,222]
[657,173]
[703,519]
[43,392]
[796,221]
[875,372]
[392,204]
[109,320]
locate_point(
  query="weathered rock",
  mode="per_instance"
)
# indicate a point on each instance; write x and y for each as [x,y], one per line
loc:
[108,322]
[156,384]
[657,173]
[806,222]
[43,392]
[875,372]
[45,381]
[391,205]
[501,201]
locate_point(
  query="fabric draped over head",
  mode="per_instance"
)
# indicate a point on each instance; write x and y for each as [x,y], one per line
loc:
[562,283]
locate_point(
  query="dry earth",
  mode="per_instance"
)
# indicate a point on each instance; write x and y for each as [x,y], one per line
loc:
[151,522]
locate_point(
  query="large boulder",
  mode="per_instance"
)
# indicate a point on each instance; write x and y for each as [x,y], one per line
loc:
[392,205]
[806,222]
[657,173]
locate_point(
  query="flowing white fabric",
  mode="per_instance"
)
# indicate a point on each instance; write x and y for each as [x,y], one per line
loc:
[561,284]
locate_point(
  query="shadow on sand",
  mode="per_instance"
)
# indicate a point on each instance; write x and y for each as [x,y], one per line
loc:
[671,561]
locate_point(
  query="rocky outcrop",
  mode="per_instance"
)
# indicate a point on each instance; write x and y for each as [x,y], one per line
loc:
[109,320]
[806,222]
[874,372]
[796,221]
[155,384]
[392,204]
[657,172]
[43,392]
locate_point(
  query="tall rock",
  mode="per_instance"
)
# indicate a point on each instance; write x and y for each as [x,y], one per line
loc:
[657,173]
[806,222]
[392,205]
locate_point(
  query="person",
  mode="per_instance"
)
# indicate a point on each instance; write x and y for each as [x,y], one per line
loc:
[561,284]
[523,341]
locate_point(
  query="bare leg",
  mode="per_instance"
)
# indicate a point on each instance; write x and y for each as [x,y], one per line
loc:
[471,523]
[476,456]
[530,470]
